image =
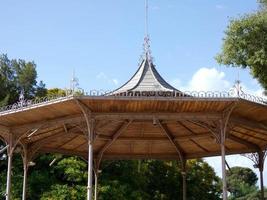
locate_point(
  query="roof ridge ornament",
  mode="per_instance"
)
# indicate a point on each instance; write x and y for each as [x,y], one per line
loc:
[147,50]
[74,83]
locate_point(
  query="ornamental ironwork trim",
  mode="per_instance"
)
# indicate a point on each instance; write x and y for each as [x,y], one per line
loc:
[22,104]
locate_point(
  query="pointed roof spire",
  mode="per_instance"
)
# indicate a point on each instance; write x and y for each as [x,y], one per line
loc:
[146,45]
[146,79]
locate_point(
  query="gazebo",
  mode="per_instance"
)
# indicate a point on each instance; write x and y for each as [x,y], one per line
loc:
[146,118]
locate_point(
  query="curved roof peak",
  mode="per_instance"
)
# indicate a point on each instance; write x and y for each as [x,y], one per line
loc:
[145,79]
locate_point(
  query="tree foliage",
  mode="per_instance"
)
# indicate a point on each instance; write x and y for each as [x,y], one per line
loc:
[17,76]
[242,183]
[159,180]
[245,44]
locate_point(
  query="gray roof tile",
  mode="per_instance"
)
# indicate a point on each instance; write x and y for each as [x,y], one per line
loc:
[146,79]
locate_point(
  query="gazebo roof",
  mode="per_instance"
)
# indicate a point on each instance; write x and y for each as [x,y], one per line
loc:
[146,79]
[59,126]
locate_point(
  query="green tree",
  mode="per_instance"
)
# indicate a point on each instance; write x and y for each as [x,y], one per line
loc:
[8,91]
[203,183]
[159,180]
[245,44]
[70,179]
[122,180]
[241,182]
[17,76]
[55,92]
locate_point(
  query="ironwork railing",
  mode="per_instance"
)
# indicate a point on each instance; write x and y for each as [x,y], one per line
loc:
[22,104]
[232,93]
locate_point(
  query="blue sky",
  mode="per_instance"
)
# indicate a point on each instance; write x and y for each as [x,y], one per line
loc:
[102,40]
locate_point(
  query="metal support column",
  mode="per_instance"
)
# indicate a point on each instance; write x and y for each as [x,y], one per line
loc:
[25,174]
[222,144]
[90,131]
[223,171]
[10,151]
[90,168]
[9,168]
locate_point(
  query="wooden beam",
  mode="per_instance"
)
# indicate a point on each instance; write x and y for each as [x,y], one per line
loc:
[242,141]
[37,145]
[33,137]
[171,156]
[68,141]
[51,122]
[191,139]
[208,127]
[178,149]
[248,123]
[159,116]
[123,127]
[251,136]
[177,138]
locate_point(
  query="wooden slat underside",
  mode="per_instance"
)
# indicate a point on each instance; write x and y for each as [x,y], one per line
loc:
[63,129]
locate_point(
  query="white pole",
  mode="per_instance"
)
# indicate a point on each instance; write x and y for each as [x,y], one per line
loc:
[90,168]
[224,171]
[25,168]
[24,184]
[8,184]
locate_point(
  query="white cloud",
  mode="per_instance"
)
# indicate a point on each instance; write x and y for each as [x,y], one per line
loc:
[208,79]
[205,79]
[211,79]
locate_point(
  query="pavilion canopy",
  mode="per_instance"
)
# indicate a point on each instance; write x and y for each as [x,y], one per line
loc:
[139,127]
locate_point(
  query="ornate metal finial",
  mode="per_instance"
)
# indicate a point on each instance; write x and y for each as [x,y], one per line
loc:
[74,83]
[22,101]
[21,96]
[237,90]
